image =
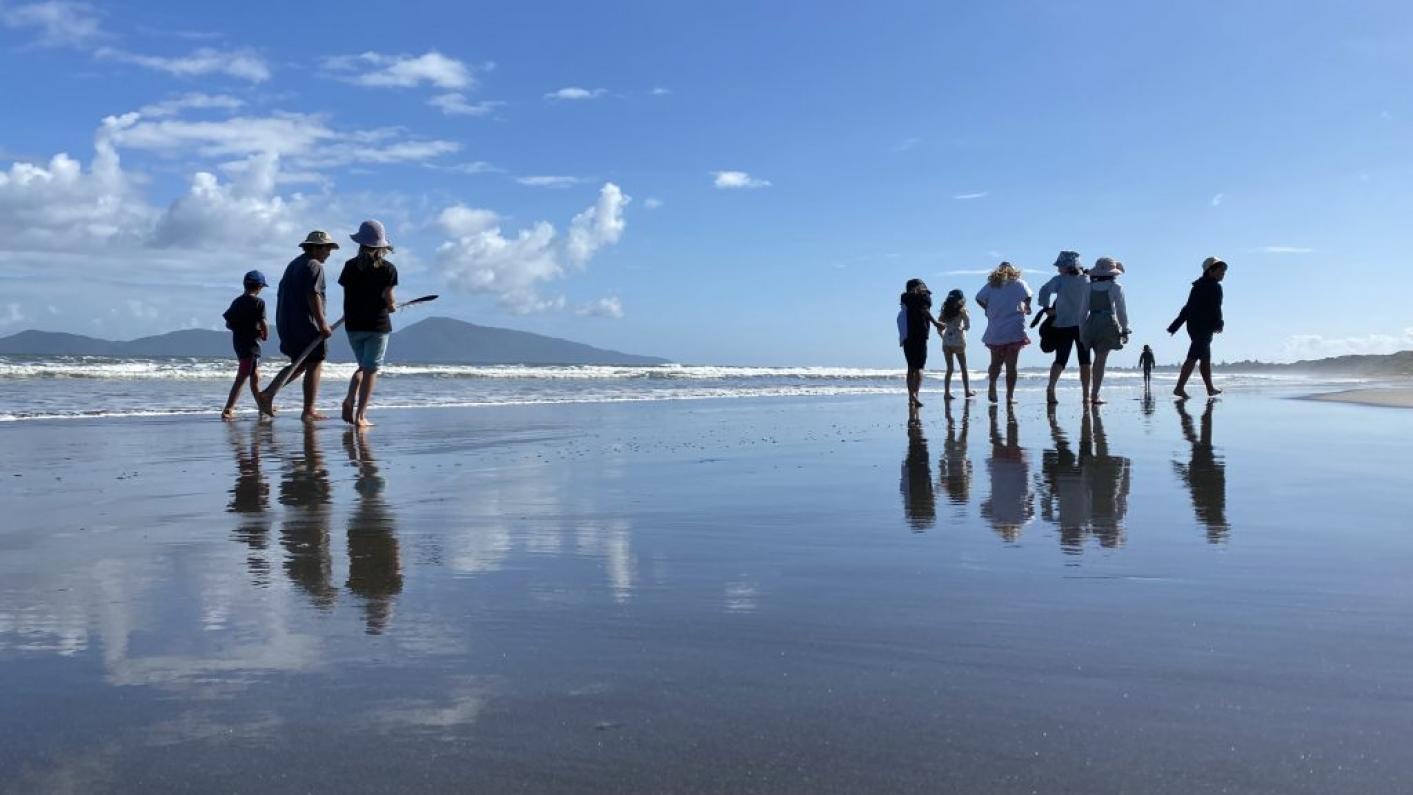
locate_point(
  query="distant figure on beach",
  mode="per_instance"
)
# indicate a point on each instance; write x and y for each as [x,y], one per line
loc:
[915,484]
[1104,316]
[1204,474]
[301,321]
[246,320]
[1062,296]
[1146,361]
[1011,505]
[915,326]
[368,281]
[955,322]
[1006,299]
[1203,315]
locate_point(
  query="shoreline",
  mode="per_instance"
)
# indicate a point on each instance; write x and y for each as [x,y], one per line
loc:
[1381,397]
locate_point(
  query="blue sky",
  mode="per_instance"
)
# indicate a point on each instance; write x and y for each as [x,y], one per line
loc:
[734,182]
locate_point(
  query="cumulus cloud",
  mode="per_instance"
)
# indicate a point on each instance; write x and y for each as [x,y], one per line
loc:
[60,205]
[245,64]
[737,180]
[480,258]
[549,181]
[1318,346]
[610,307]
[402,71]
[456,104]
[58,23]
[212,210]
[573,93]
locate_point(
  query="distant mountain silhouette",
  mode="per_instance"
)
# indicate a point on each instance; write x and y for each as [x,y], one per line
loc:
[436,340]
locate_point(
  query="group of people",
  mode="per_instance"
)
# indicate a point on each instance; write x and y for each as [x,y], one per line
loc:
[1082,313]
[369,280]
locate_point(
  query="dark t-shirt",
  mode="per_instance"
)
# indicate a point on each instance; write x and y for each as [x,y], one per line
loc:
[364,307]
[295,322]
[919,307]
[243,319]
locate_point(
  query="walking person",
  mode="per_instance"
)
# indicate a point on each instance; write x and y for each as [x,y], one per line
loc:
[301,321]
[1006,299]
[1062,296]
[368,282]
[246,320]
[915,326]
[1104,317]
[1146,361]
[1203,315]
[955,322]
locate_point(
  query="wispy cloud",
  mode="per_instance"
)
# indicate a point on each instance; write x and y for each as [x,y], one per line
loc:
[969,196]
[575,93]
[652,203]
[245,64]
[456,104]
[660,91]
[610,307]
[1316,346]
[1217,200]
[737,180]
[906,144]
[549,181]
[966,273]
[475,167]
[58,23]
[191,101]
[376,70]
[1284,250]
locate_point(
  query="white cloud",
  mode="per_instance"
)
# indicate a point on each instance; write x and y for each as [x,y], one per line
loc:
[456,104]
[60,206]
[906,144]
[610,307]
[244,63]
[652,203]
[191,101]
[547,181]
[1217,200]
[1284,250]
[966,273]
[60,24]
[660,91]
[216,211]
[475,167]
[969,196]
[402,71]
[1318,346]
[736,180]
[576,93]
[480,258]
[12,315]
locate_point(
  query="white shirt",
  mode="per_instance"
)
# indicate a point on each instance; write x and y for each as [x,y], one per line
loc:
[1005,319]
[1068,290]
[1116,297]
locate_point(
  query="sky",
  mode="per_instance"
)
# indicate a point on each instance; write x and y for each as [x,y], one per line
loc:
[725,182]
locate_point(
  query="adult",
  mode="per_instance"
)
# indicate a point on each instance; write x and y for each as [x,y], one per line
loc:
[301,322]
[1006,299]
[368,281]
[915,324]
[1203,315]
[1061,296]
[1104,316]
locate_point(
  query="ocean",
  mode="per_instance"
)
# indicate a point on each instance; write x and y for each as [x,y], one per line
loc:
[88,386]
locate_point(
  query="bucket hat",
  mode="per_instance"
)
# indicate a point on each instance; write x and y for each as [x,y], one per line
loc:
[1212,262]
[1107,266]
[372,235]
[1067,259]
[319,238]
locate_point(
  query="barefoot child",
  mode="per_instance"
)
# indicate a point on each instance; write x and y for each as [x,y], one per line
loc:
[246,320]
[955,323]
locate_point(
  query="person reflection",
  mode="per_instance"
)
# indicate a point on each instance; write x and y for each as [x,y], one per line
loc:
[1011,505]
[1064,498]
[305,493]
[1108,478]
[374,561]
[1205,474]
[955,465]
[919,500]
[250,499]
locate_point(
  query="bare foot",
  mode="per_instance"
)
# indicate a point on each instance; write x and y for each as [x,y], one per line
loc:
[1180,393]
[991,396]
[347,412]
[1096,400]
[364,422]
[971,393]
[228,415]
[313,416]
[947,396]
[1213,391]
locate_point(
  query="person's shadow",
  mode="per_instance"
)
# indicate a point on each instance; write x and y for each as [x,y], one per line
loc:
[305,493]
[955,465]
[250,498]
[1108,478]
[915,483]
[1010,506]
[374,558]
[1204,474]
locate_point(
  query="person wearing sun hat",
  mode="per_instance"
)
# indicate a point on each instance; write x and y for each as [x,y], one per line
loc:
[1062,296]
[1103,316]
[300,320]
[368,282]
[1202,314]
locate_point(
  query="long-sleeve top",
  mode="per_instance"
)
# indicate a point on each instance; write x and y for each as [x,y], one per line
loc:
[1203,311]
[1146,360]
[1116,298]
[1066,291]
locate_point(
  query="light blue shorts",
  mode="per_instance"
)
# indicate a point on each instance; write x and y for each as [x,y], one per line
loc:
[368,349]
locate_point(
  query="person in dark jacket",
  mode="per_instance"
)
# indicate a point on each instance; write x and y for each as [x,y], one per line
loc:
[915,324]
[1203,316]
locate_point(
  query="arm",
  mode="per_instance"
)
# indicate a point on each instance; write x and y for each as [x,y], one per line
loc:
[1048,293]
[316,308]
[389,299]
[1120,307]
[264,329]
[1182,316]
[1084,306]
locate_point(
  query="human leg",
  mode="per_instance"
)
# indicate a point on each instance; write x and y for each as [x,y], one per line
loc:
[950,356]
[311,391]
[1063,346]
[242,373]
[1206,370]
[1101,357]
[998,357]
[365,394]
[966,379]
[1012,355]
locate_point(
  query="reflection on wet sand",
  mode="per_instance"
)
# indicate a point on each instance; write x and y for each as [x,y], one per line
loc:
[1205,474]
[1108,478]
[374,560]
[306,494]
[919,500]
[1010,506]
[955,465]
[250,498]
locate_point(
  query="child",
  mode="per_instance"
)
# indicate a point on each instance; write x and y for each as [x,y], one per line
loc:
[246,320]
[955,323]
[1146,361]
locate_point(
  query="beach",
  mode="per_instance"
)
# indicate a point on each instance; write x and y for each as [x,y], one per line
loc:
[763,594]
[1387,397]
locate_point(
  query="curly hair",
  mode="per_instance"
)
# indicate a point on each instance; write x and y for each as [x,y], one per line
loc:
[1005,272]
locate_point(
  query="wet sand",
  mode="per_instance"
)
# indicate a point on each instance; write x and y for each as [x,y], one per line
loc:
[1385,397]
[712,596]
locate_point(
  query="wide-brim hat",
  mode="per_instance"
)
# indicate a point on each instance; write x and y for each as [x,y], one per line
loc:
[1213,262]
[1106,266]
[371,234]
[319,238]
[1067,259]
